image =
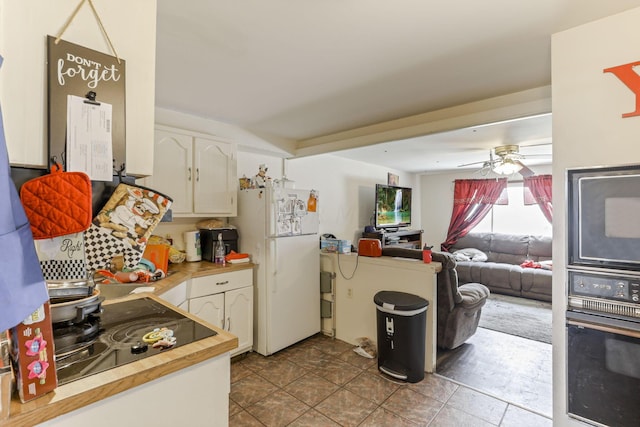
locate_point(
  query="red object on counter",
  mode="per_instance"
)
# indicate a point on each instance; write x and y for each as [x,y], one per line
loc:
[124,277]
[426,256]
[235,255]
[369,247]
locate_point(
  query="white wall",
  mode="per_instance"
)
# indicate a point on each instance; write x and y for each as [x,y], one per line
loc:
[588,130]
[437,200]
[347,191]
[24,25]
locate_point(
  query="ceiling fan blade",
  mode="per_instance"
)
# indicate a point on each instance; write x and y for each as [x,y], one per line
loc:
[484,170]
[471,164]
[525,171]
[535,145]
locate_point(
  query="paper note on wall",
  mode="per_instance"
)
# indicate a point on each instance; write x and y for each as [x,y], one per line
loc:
[89,138]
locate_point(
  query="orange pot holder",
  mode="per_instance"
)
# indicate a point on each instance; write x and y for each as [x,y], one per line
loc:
[57,204]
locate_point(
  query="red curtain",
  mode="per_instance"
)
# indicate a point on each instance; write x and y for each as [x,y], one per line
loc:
[472,200]
[537,190]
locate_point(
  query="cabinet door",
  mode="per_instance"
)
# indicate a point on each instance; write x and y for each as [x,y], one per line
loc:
[209,308]
[238,313]
[215,180]
[176,295]
[173,169]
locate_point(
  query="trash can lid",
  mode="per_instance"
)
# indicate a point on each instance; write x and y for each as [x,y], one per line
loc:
[399,301]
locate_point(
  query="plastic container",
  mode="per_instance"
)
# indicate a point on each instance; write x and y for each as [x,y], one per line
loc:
[402,325]
[426,254]
[158,255]
[220,251]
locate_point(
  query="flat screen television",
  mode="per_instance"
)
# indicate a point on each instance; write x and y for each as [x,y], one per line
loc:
[393,206]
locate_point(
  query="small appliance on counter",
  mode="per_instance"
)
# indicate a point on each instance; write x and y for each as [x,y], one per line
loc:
[369,247]
[209,238]
[193,245]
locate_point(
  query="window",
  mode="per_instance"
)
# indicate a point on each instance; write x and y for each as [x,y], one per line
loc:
[515,218]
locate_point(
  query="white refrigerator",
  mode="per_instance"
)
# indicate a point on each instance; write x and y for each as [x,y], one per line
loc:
[278,227]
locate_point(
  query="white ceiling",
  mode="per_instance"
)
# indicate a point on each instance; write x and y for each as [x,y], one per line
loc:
[299,69]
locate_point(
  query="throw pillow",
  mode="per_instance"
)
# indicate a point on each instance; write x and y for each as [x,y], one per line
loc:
[470,254]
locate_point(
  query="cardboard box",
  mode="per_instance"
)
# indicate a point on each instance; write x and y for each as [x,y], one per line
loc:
[335,246]
[32,351]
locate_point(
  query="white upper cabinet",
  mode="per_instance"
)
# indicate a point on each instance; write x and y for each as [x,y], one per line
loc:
[197,171]
[214,188]
[172,170]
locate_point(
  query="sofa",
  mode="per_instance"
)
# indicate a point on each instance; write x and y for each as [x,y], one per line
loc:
[506,264]
[458,307]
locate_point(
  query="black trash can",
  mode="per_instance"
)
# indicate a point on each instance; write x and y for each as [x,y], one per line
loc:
[402,324]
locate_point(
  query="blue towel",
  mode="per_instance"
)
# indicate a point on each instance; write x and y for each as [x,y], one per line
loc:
[22,287]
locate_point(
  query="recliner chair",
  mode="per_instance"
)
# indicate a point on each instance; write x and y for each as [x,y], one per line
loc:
[459,307]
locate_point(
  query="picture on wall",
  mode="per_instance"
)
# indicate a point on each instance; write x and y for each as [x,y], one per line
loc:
[393,179]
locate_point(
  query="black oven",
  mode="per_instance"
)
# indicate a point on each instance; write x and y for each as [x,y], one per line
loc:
[603,347]
[603,370]
[604,224]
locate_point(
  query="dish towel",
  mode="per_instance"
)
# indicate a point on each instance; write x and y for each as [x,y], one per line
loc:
[22,287]
[124,225]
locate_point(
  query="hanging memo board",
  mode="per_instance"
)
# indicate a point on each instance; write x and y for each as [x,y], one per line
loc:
[77,70]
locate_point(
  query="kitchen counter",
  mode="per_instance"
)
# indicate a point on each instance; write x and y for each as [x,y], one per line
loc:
[83,392]
[356,314]
[178,273]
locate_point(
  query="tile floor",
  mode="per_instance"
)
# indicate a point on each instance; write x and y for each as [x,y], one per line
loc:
[323,382]
[505,366]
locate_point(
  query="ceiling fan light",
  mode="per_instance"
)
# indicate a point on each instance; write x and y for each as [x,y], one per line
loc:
[507,167]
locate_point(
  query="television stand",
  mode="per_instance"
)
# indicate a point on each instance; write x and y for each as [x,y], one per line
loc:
[398,239]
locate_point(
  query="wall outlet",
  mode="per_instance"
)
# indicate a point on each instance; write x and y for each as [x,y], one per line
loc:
[349,293]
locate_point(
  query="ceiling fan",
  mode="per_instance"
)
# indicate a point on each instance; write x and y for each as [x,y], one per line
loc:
[506,160]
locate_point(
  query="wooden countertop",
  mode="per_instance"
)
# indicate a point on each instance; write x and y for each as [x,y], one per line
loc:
[178,273]
[94,388]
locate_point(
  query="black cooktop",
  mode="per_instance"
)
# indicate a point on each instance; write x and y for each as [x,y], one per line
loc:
[124,332]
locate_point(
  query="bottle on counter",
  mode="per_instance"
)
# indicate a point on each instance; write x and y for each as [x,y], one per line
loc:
[220,251]
[426,254]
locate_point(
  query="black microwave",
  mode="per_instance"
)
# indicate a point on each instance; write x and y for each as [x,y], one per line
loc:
[604,217]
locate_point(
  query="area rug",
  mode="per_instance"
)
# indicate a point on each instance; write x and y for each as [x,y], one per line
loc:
[521,317]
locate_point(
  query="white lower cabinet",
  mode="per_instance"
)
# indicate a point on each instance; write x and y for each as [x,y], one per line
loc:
[227,304]
[180,396]
[209,308]
[238,316]
[176,295]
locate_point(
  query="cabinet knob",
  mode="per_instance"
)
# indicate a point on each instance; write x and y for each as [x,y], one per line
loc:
[189,174]
[222,283]
[198,174]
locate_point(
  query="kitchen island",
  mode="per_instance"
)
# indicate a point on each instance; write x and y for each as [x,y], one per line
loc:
[359,278]
[190,382]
